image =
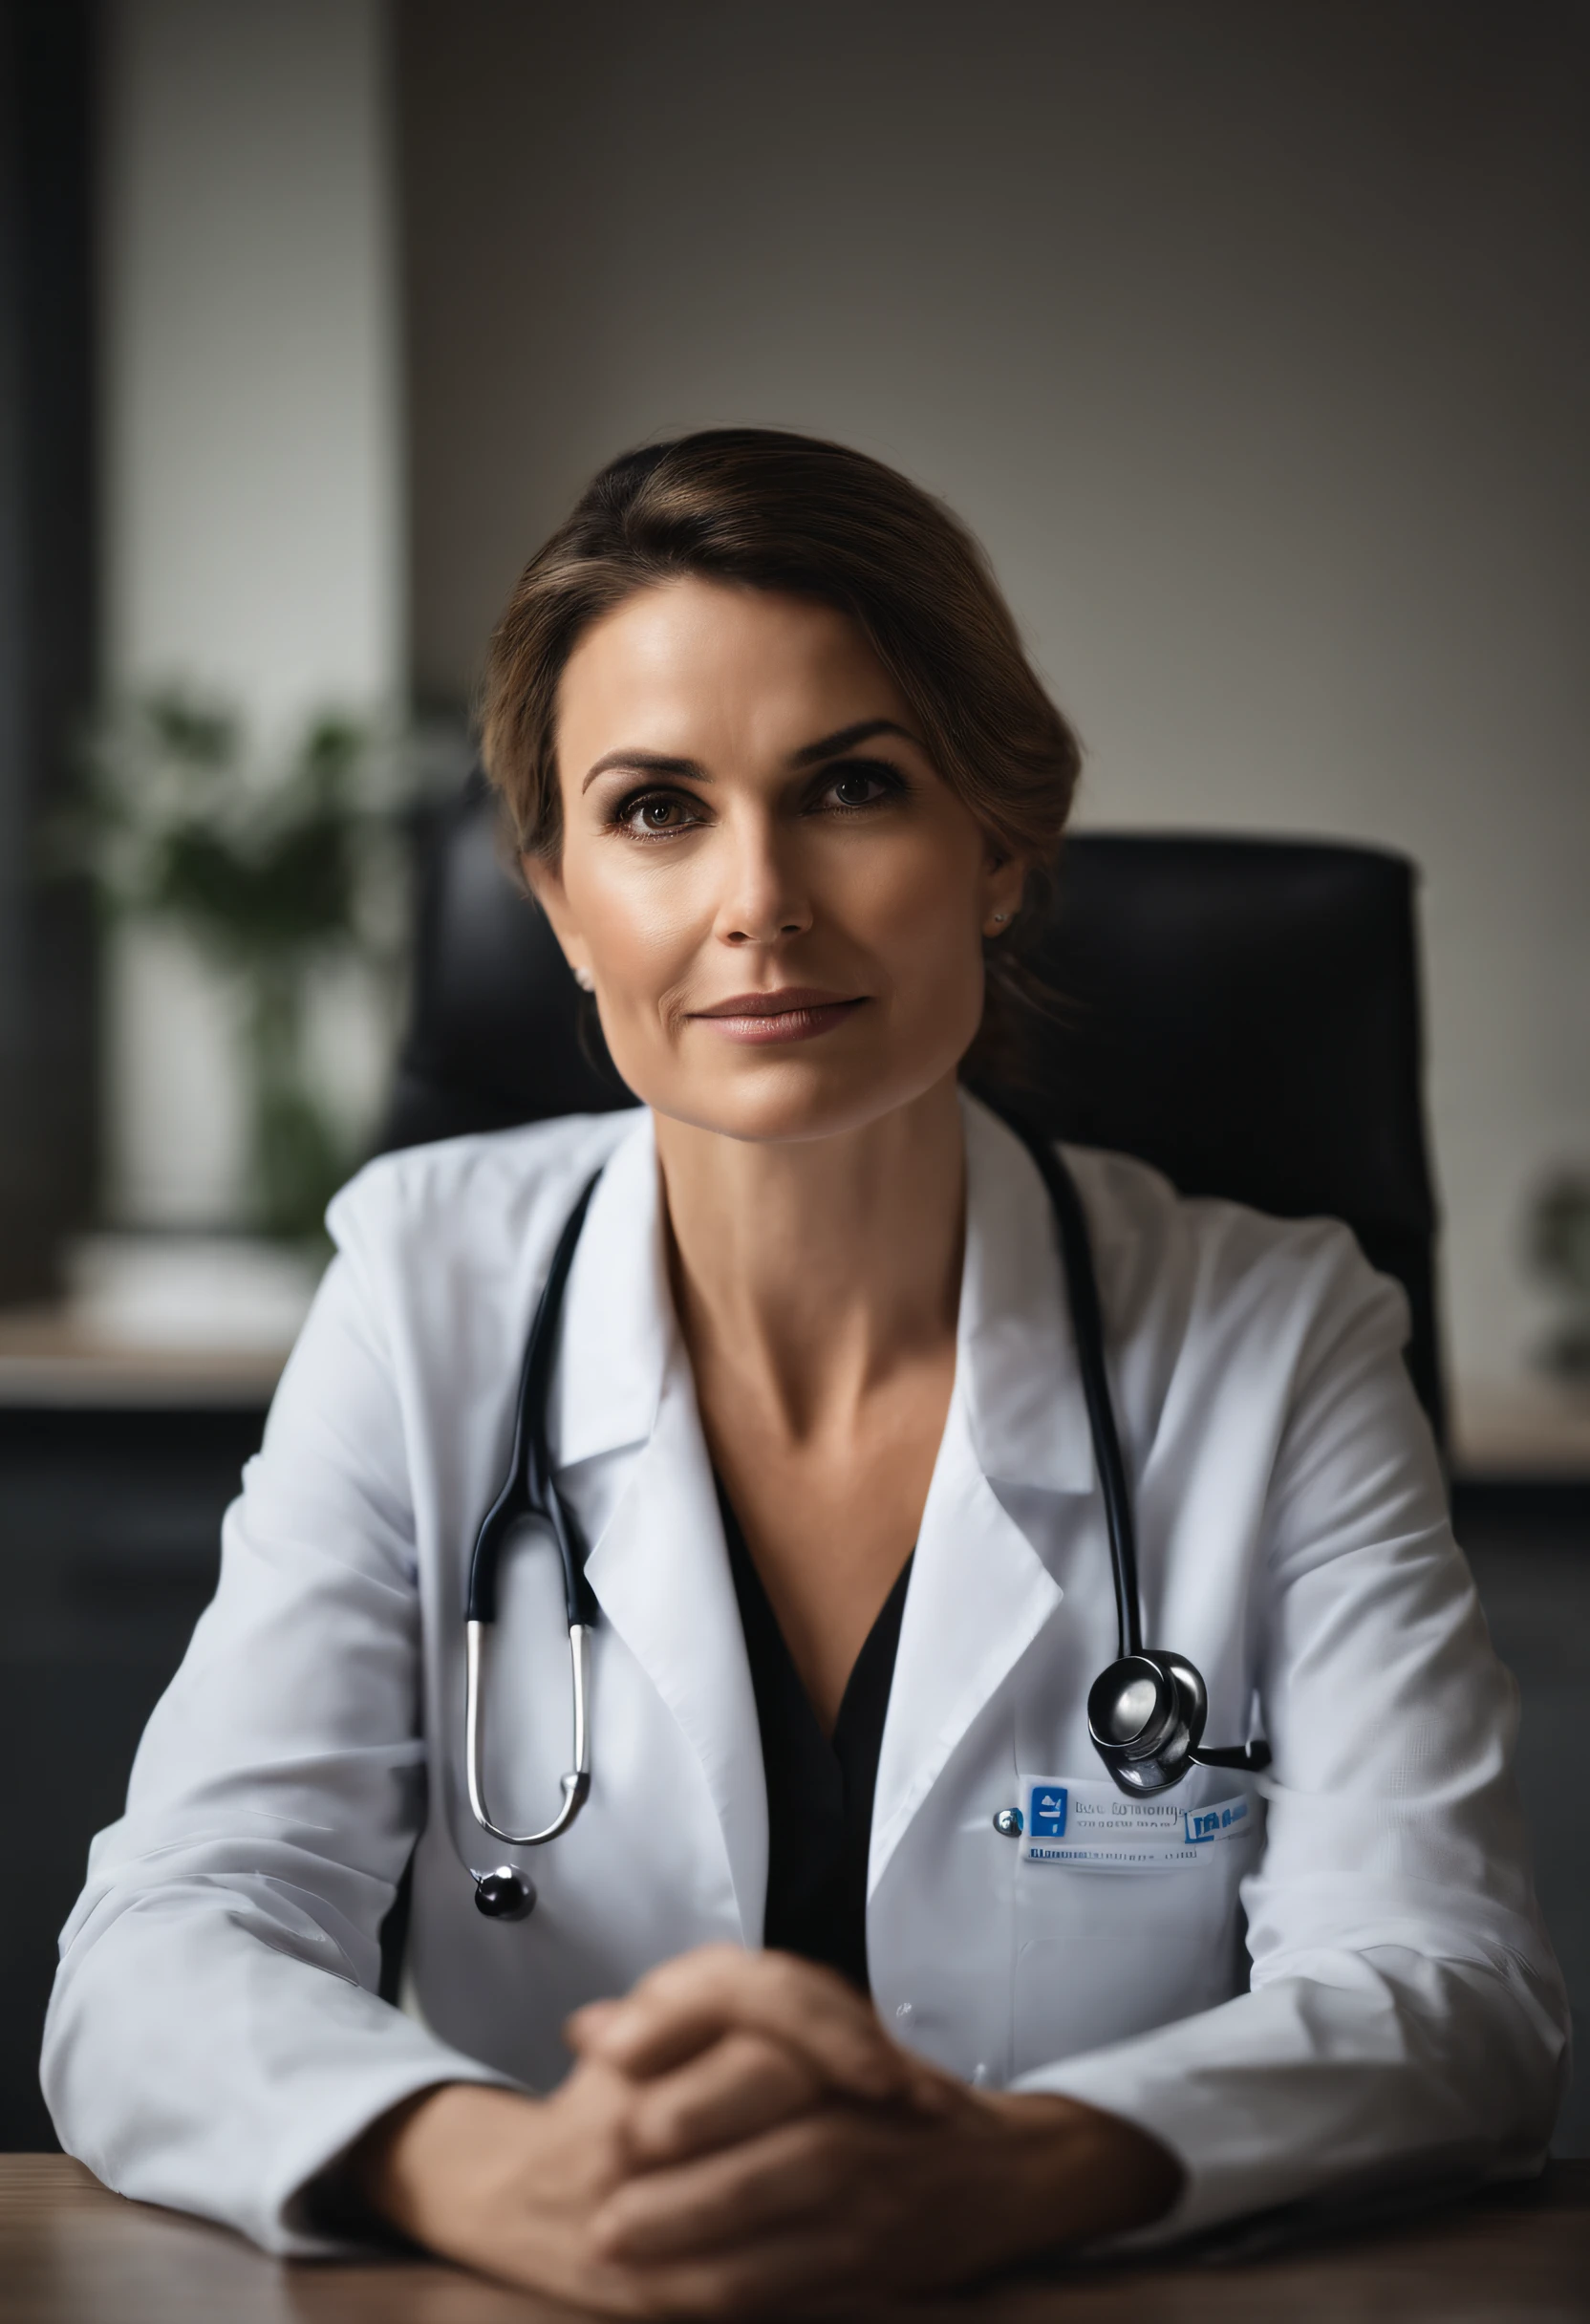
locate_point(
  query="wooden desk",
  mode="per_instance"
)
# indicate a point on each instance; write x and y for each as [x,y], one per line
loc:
[70,2253]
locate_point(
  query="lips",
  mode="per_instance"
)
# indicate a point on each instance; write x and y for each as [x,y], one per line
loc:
[786,999]
[793,1012]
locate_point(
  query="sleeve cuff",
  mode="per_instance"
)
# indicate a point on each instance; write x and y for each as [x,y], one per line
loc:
[308,2219]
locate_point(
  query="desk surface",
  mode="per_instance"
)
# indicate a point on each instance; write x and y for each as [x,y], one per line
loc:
[71,2253]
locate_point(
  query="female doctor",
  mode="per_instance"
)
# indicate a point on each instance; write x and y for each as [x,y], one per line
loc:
[860,1970]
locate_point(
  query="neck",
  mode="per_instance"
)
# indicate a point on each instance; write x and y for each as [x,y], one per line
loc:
[818,1268]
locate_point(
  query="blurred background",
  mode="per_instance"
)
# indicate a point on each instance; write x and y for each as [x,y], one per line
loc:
[1251,342]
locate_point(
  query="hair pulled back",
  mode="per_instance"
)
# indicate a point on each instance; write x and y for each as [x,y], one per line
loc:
[764,509]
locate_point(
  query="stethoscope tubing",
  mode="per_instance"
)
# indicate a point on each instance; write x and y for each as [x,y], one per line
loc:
[530,1491]
[1088,1329]
[575,1785]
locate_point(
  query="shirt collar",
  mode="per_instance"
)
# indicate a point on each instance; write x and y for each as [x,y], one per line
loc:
[1016,1357]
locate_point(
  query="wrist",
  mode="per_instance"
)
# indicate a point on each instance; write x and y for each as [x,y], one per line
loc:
[404,2167]
[1082,2173]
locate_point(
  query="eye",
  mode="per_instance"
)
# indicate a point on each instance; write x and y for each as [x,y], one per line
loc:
[657,815]
[861,783]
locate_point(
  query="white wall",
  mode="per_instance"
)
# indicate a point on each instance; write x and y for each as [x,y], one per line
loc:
[1253,342]
[252,456]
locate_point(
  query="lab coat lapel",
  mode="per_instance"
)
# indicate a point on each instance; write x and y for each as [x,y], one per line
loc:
[661,1576]
[660,1568]
[618,1326]
[978,1596]
[979,1593]
[1015,1360]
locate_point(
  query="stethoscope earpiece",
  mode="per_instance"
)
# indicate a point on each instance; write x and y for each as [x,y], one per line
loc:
[504,1895]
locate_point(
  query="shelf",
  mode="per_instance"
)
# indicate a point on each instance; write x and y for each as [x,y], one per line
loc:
[1532,1427]
[46,1358]
[1525,1428]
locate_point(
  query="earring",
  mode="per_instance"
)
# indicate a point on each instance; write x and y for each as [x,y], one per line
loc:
[999,918]
[584,978]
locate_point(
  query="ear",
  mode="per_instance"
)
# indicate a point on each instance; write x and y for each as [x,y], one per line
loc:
[1004,884]
[544,882]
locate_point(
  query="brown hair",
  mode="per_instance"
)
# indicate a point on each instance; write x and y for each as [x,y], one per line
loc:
[772,510]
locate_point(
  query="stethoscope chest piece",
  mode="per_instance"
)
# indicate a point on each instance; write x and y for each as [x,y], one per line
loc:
[1146,1715]
[504,1895]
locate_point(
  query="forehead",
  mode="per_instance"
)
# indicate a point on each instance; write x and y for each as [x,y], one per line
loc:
[698,669]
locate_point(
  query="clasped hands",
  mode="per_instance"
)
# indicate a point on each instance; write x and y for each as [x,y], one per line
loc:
[739,2137]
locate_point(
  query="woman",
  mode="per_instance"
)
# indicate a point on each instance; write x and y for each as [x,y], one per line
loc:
[788,790]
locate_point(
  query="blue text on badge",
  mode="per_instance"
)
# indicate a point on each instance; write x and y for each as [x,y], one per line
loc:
[1210,1823]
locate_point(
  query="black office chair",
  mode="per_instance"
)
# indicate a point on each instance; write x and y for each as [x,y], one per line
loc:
[1242,1013]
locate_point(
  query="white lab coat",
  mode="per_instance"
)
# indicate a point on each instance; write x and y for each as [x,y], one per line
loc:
[215,2038]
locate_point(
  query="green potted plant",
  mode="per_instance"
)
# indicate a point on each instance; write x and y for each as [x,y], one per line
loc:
[275,869]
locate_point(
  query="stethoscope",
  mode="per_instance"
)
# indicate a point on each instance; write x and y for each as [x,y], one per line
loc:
[1145,1713]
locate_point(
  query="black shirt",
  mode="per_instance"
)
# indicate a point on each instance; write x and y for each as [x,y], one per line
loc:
[819,1792]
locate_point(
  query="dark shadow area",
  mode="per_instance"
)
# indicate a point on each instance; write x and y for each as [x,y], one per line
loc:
[1530,1549]
[49,622]
[109,1546]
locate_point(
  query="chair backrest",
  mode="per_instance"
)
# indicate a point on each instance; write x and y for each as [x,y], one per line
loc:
[1242,1013]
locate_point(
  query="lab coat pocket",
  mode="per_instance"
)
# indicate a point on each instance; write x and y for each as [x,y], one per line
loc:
[1127,1913]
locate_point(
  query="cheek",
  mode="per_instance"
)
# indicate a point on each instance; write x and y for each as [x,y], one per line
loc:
[642,922]
[918,909]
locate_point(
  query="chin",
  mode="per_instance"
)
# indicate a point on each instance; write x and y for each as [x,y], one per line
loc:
[790,1102]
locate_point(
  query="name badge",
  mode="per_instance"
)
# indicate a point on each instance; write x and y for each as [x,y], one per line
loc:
[1093,1827]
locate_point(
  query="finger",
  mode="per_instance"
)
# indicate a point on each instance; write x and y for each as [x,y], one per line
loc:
[814,2014]
[742,2086]
[582,2031]
[795,2172]
[674,2014]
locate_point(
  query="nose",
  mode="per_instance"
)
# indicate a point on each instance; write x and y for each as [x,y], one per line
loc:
[764,898]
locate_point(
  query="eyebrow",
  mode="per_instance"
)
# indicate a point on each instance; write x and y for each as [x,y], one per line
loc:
[646,763]
[813,754]
[832,746]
